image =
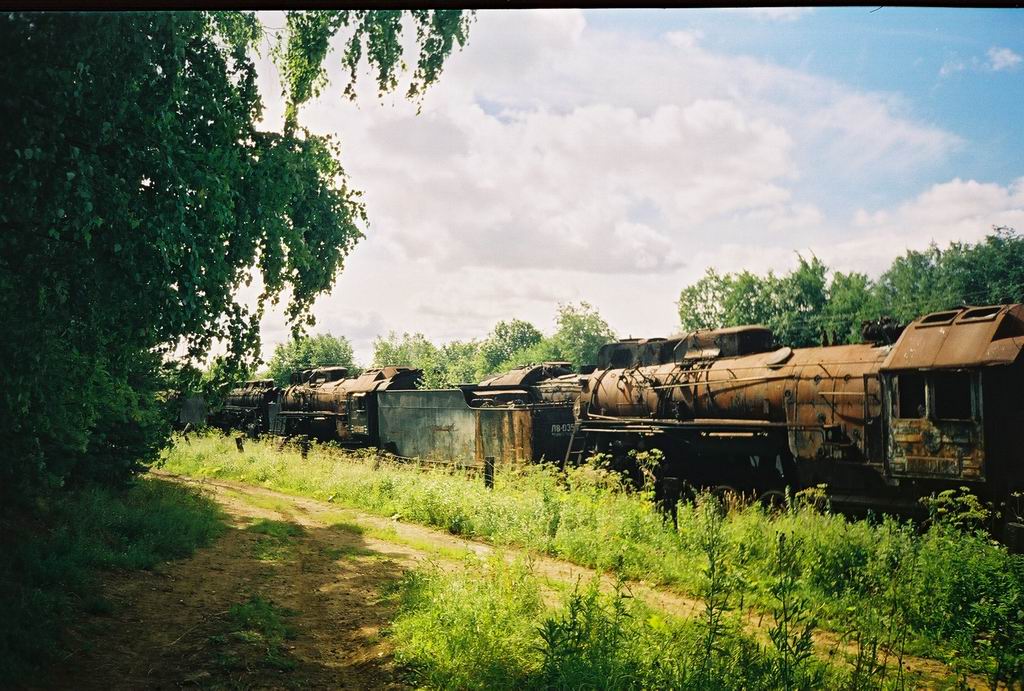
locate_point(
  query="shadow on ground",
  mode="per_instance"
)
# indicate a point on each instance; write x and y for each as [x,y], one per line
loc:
[274,603]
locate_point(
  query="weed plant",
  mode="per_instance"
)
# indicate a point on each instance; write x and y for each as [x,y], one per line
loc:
[887,587]
[255,626]
[49,563]
[470,631]
[275,539]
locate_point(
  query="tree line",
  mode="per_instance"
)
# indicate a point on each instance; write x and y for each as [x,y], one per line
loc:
[579,332]
[807,306]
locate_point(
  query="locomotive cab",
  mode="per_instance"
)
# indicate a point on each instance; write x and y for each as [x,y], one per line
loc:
[935,424]
[358,416]
[952,388]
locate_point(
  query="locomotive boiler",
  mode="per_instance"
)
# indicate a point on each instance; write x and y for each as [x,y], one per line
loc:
[251,406]
[880,425]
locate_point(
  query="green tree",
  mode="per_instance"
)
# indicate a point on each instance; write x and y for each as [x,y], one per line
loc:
[983,273]
[988,272]
[792,305]
[800,299]
[580,333]
[140,193]
[802,306]
[504,340]
[407,349]
[702,305]
[544,350]
[751,299]
[443,367]
[460,363]
[310,351]
[851,301]
[913,285]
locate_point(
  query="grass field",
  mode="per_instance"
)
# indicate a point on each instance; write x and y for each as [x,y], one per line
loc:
[884,587]
[50,565]
[487,627]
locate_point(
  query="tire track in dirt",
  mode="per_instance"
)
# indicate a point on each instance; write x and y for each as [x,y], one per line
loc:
[409,544]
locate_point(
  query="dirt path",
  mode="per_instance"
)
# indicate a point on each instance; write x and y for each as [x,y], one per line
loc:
[175,627]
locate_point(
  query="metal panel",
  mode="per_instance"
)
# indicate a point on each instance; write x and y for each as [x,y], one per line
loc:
[956,339]
[193,411]
[504,433]
[432,425]
[552,430]
[440,426]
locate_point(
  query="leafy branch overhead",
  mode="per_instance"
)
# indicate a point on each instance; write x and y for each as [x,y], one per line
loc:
[301,54]
[142,194]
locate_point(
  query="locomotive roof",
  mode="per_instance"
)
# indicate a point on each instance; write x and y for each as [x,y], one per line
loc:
[962,337]
[730,341]
[378,379]
[529,375]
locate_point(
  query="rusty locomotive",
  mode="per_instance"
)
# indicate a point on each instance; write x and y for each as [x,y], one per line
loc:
[328,405]
[522,415]
[250,406]
[879,424]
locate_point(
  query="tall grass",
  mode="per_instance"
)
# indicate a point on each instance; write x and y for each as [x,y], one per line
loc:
[50,561]
[486,627]
[886,587]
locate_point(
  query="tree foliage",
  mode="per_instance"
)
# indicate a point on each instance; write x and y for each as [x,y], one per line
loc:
[806,307]
[140,193]
[580,332]
[443,366]
[376,36]
[507,338]
[310,351]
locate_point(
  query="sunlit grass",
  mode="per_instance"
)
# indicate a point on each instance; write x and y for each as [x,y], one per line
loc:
[486,626]
[948,593]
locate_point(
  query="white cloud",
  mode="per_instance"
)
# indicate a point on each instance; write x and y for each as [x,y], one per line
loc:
[555,162]
[999,59]
[684,39]
[958,210]
[951,67]
[1003,59]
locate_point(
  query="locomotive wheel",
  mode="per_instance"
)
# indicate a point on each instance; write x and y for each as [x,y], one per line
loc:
[773,501]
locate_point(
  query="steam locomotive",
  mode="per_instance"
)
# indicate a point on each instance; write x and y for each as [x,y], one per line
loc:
[907,413]
[881,425]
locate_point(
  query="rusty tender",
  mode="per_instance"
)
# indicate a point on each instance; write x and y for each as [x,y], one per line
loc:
[522,415]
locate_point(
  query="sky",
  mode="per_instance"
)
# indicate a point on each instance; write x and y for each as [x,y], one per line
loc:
[612,156]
